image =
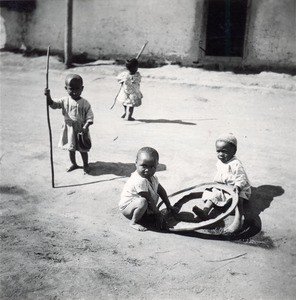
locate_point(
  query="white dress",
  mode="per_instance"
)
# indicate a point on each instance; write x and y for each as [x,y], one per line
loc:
[76,113]
[230,173]
[135,185]
[130,94]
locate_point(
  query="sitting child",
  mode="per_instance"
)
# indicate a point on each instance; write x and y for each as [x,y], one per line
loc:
[142,190]
[230,171]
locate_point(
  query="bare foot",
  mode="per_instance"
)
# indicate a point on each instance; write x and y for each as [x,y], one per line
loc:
[233,227]
[72,168]
[200,213]
[138,227]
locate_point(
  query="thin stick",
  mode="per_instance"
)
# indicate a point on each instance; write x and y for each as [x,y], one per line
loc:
[137,57]
[142,49]
[48,120]
[234,257]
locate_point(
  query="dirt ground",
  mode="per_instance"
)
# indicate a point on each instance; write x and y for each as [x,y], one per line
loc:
[71,242]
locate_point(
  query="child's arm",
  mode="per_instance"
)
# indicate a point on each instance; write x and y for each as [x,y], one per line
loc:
[241,179]
[150,201]
[163,195]
[89,118]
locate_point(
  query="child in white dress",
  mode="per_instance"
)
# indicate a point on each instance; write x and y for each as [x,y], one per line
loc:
[230,171]
[78,116]
[142,191]
[130,95]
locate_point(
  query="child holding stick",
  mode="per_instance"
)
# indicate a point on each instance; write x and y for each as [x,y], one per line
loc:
[142,191]
[230,171]
[130,95]
[78,116]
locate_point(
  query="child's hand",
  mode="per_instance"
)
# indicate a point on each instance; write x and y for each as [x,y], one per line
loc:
[173,209]
[47,92]
[83,130]
[48,97]
[236,189]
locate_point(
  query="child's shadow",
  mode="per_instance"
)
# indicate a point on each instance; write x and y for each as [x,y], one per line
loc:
[119,169]
[260,200]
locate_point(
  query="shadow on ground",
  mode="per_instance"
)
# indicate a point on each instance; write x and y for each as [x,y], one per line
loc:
[251,233]
[165,121]
[119,169]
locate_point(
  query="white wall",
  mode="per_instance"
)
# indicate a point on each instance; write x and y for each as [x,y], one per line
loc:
[272,33]
[117,27]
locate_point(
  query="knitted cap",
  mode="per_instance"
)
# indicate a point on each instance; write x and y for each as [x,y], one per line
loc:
[228,138]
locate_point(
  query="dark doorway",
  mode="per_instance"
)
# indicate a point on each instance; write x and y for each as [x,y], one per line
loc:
[226,27]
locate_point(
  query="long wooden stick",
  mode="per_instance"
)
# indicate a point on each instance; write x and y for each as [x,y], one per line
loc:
[48,120]
[137,57]
[142,49]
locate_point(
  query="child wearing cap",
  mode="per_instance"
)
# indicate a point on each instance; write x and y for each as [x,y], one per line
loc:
[78,116]
[230,171]
[130,95]
[142,191]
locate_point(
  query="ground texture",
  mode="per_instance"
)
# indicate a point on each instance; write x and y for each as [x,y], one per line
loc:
[71,242]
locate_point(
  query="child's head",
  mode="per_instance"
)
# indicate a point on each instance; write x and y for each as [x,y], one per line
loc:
[132,65]
[146,162]
[74,85]
[226,146]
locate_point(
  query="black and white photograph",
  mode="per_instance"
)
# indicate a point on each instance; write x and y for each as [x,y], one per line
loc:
[147,149]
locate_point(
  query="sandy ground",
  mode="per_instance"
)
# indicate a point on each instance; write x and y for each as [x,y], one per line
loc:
[71,242]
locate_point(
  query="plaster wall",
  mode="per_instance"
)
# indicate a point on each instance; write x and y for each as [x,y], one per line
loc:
[120,28]
[271,33]
[12,28]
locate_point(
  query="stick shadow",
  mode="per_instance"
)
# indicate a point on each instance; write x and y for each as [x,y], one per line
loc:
[165,121]
[119,169]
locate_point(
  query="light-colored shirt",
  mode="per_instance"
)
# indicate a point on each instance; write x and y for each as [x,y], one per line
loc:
[135,185]
[233,173]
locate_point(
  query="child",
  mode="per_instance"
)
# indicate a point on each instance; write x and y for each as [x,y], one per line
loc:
[130,95]
[78,117]
[142,190]
[230,171]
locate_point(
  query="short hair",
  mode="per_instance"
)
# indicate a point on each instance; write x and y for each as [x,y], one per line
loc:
[75,77]
[150,151]
[131,63]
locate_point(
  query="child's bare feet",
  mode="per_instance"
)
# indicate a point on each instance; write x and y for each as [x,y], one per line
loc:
[200,213]
[137,226]
[72,168]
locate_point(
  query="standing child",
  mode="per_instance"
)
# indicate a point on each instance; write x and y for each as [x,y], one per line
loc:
[130,95]
[142,190]
[78,116]
[230,171]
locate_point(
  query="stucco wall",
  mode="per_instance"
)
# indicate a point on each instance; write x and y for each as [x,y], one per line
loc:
[12,27]
[271,34]
[117,27]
